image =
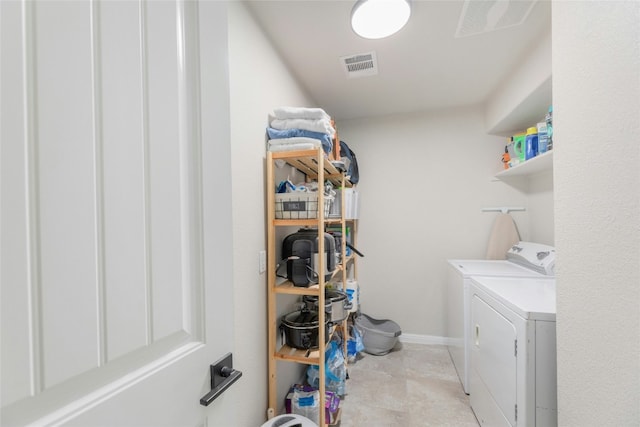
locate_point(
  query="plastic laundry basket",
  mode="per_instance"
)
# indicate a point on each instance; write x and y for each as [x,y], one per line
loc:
[289,420]
[378,336]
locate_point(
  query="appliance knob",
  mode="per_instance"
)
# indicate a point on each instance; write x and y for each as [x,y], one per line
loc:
[542,255]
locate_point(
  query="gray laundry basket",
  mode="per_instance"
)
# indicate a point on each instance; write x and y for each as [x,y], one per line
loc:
[378,336]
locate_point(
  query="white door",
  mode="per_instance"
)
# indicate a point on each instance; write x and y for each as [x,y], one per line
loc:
[116,224]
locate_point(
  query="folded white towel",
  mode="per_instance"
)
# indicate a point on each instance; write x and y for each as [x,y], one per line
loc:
[300,113]
[313,125]
[295,140]
[292,147]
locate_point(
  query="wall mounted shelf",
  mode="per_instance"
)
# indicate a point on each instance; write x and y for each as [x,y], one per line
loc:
[539,163]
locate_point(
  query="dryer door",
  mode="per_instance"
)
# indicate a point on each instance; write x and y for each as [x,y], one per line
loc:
[493,365]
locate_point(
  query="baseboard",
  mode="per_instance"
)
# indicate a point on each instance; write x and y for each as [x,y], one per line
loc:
[423,339]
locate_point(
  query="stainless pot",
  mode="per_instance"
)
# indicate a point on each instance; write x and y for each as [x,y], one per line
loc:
[336,304]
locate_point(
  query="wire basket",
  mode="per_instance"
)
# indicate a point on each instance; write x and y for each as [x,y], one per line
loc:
[300,205]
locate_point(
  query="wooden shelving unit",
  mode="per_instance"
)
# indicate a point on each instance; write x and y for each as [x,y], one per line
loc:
[316,167]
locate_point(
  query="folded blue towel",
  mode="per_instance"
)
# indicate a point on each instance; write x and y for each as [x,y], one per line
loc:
[325,139]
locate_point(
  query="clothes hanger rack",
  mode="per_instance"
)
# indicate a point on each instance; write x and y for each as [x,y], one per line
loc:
[503,209]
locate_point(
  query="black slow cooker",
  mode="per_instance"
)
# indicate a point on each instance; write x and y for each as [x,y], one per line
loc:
[300,329]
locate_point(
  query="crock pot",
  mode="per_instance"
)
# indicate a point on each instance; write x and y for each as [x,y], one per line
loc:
[336,304]
[300,329]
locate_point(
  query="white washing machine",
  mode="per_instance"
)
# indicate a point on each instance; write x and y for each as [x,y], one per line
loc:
[525,259]
[513,352]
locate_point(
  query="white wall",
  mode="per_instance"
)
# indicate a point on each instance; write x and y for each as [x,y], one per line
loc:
[259,82]
[440,183]
[424,180]
[596,91]
[524,94]
[521,101]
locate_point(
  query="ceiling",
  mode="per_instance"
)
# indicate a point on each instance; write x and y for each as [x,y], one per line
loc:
[423,67]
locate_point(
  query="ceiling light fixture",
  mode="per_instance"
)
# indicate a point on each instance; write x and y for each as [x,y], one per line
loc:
[376,19]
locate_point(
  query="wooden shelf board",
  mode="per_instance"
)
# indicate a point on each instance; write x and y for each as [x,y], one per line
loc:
[289,288]
[333,221]
[295,222]
[313,222]
[290,354]
[307,162]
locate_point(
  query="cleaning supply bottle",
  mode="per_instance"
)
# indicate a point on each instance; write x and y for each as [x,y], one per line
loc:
[543,141]
[506,158]
[518,146]
[549,119]
[531,143]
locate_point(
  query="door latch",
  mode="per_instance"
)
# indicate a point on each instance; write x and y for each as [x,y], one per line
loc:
[222,376]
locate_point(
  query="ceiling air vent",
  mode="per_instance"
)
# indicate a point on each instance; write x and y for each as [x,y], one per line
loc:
[479,17]
[360,65]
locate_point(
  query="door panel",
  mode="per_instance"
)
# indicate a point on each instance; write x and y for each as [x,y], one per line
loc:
[494,359]
[164,170]
[64,210]
[125,180]
[15,300]
[105,291]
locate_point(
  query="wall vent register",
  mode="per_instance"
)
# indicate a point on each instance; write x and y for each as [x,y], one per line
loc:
[360,65]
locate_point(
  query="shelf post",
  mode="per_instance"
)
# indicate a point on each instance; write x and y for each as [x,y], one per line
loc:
[322,260]
[272,326]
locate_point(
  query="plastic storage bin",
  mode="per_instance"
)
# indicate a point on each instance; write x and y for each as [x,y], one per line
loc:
[351,204]
[378,336]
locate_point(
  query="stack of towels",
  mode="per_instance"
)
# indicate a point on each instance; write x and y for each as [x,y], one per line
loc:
[299,128]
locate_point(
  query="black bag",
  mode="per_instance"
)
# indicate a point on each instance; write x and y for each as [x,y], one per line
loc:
[352,172]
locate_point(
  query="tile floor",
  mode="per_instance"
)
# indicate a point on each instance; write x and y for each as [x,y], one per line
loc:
[414,385]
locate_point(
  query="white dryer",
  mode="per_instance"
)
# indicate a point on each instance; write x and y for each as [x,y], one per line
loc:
[513,351]
[525,259]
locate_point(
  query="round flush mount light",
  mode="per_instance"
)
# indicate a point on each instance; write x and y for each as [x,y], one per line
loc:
[376,19]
